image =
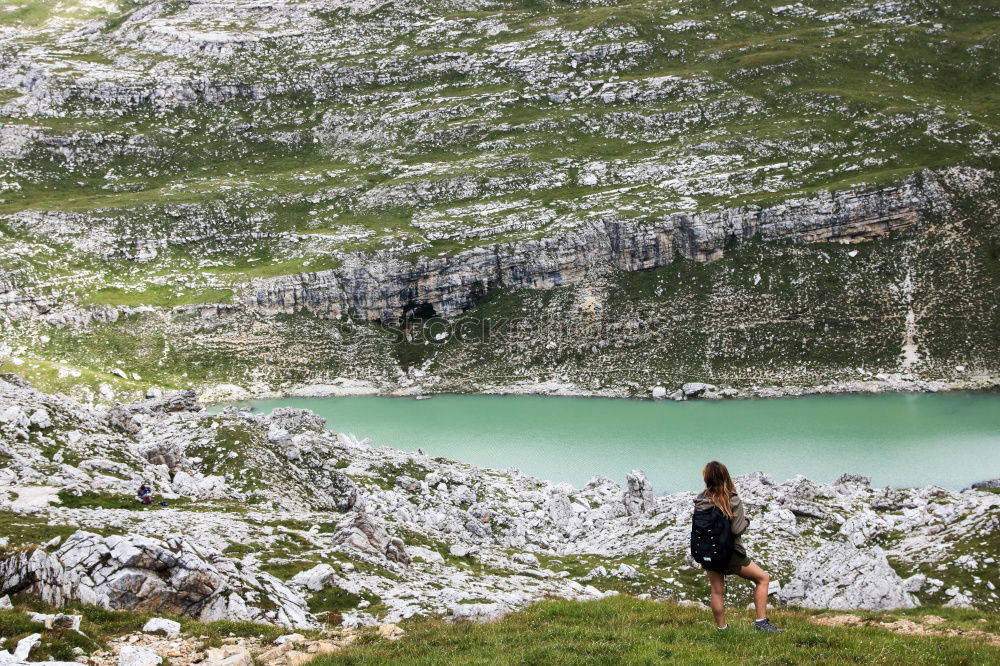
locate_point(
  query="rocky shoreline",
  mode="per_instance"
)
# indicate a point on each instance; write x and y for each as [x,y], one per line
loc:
[274,518]
[985,383]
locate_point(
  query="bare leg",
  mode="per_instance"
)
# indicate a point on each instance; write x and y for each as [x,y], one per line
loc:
[718,597]
[760,579]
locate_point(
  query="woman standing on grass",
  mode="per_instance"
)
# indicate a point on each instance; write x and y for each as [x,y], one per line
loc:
[720,493]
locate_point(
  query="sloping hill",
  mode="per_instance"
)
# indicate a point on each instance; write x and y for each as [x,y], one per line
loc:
[231,161]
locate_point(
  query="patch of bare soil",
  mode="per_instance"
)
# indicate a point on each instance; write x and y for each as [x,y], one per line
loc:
[926,625]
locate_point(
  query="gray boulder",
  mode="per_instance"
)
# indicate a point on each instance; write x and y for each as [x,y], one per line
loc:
[162,625]
[146,575]
[638,498]
[137,655]
[315,579]
[363,533]
[626,572]
[695,389]
[132,417]
[396,551]
[477,612]
[527,559]
[341,491]
[295,420]
[841,576]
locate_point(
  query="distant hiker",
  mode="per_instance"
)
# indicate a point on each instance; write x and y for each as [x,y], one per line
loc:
[716,544]
[145,494]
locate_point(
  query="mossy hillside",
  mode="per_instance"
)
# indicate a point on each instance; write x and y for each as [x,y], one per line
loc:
[95,500]
[973,572]
[35,13]
[760,103]
[766,312]
[31,530]
[156,296]
[331,602]
[183,351]
[959,290]
[792,101]
[662,577]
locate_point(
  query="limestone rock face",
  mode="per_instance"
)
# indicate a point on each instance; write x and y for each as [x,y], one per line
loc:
[842,576]
[297,420]
[343,493]
[639,496]
[200,486]
[391,289]
[133,416]
[396,551]
[315,579]
[147,575]
[695,389]
[363,533]
[862,527]
[162,625]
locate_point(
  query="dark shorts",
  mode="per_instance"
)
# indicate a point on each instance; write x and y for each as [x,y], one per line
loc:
[736,562]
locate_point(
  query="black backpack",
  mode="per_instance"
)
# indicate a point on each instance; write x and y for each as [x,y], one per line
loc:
[711,539]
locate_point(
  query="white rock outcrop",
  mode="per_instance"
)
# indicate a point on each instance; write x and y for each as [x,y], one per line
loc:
[23,650]
[137,655]
[842,576]
[638,498]
[473,535]
[163,626]
[138,573]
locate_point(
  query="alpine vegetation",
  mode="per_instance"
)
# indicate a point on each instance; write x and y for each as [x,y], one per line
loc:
[205,201]
[597,197]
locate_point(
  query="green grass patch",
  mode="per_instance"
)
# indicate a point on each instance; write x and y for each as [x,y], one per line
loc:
[90,499]
[24,529]
[157,295]
[337,599]
[624,630]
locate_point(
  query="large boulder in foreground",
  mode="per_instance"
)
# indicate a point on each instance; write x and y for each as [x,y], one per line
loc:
[147,575]
[842,576]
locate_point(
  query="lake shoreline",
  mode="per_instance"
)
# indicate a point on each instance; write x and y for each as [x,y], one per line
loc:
[228,393]
[406,526]
[899,439]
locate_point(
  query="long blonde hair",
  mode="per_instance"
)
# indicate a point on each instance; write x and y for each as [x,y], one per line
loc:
[719,486]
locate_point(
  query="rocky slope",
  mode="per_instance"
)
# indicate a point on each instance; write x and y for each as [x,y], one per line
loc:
[276,519]
[277,195]
[394,291]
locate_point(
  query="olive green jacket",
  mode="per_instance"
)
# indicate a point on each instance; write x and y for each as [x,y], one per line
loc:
[739,521]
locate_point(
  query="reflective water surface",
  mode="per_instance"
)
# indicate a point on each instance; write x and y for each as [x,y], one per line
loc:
[949,439]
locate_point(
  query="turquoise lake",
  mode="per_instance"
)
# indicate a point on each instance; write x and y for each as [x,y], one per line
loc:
[948,439]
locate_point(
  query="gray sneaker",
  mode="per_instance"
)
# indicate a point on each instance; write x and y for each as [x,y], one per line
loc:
[765,625]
